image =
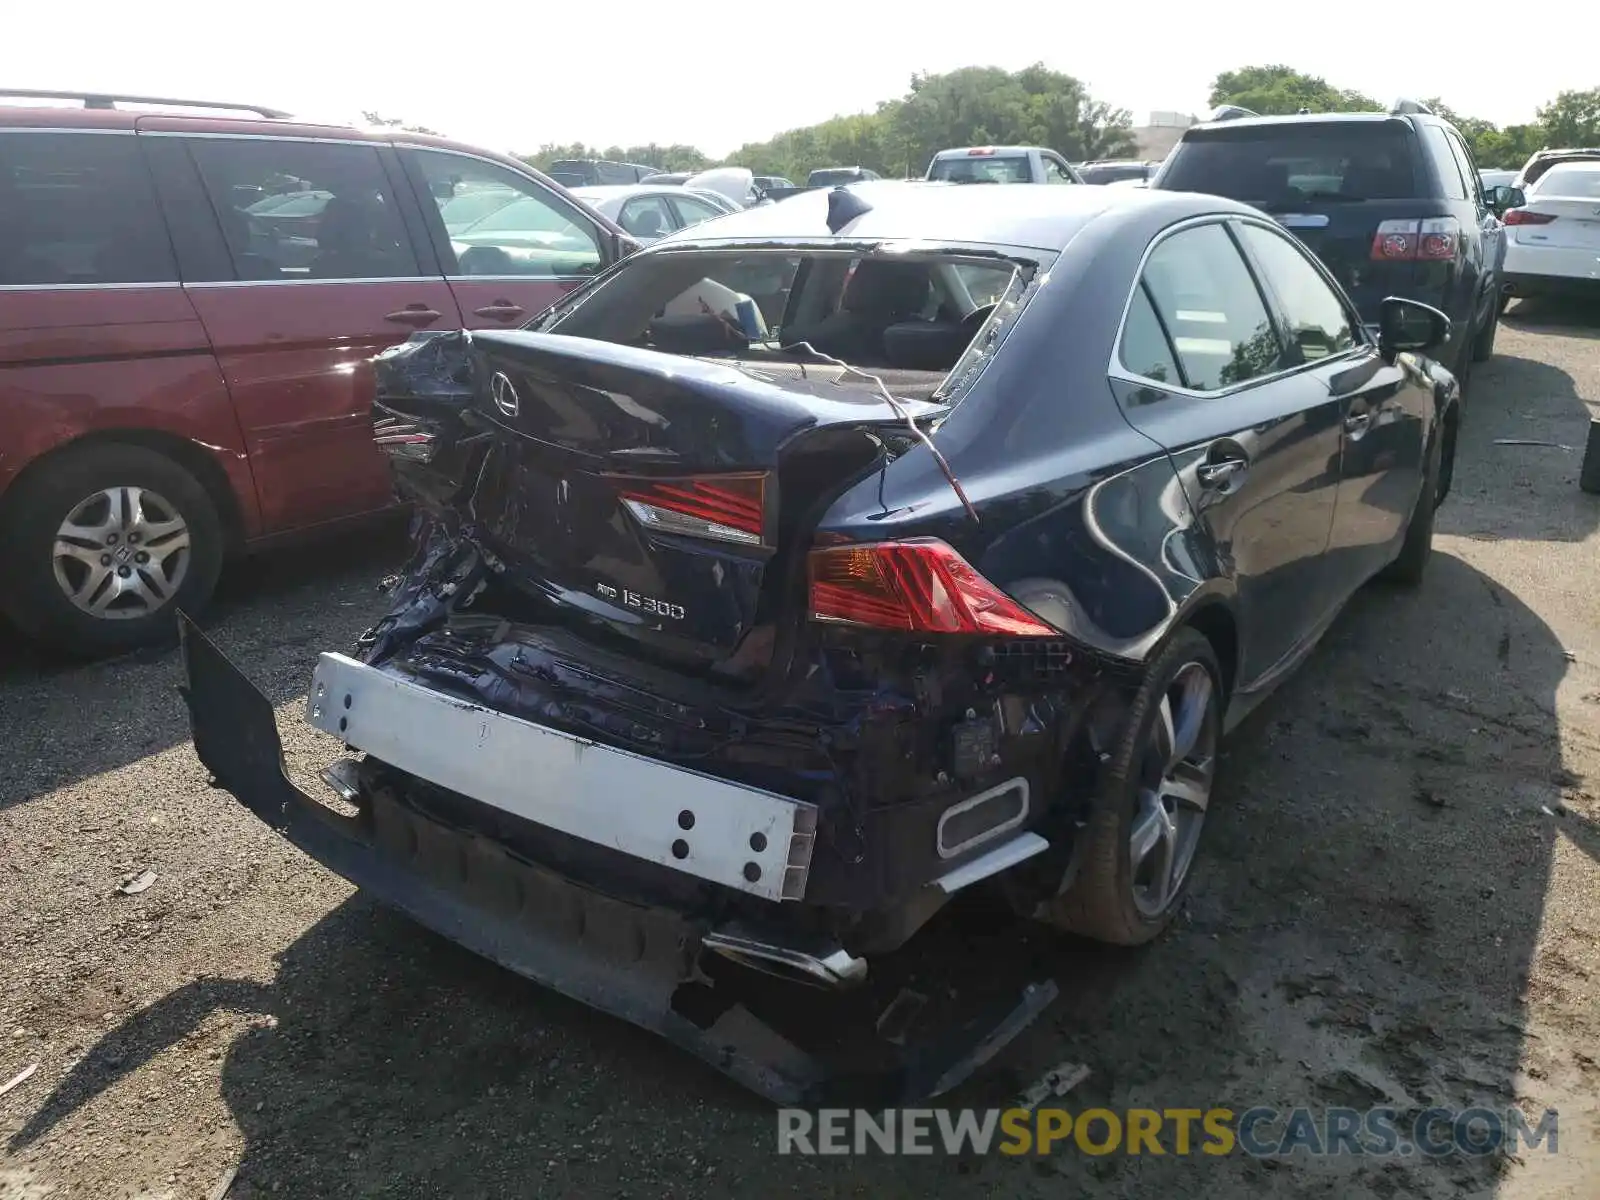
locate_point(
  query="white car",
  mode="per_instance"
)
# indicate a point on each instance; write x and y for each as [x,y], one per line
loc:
[1553,239]
[650,211]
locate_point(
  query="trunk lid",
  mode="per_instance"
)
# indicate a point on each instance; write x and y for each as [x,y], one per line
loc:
[656,494]
[1576,224]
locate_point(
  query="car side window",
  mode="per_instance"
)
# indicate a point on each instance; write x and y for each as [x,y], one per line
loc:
[1145,349]
[1054,172]
[1444,161]
[647,217]
[1208,301]
[500,223]
[1469,170]
[304,210]
[79,208]
[1319,324]
[693,211]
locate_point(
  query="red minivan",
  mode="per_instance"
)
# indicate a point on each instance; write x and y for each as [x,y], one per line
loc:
[188,306]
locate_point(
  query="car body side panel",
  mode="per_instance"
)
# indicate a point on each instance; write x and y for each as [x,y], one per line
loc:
[79,361]
[1065,488]
[1270,525]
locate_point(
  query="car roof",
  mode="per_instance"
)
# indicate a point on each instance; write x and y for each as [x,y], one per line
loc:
[955,150]
[1044,218]
[1292,119]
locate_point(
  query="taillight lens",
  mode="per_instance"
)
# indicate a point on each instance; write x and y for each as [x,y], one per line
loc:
[1436,239]
[724,508]
[1521,216]
[919,586]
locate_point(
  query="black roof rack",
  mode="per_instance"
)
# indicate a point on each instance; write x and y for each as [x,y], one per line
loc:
[110,100]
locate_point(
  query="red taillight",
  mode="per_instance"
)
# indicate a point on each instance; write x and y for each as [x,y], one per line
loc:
[727,508]
[1432,240]
[920,586]
[1521,216]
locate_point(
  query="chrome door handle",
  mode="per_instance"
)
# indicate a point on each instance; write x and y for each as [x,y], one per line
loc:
[416,315]
[500,310]
[1357,423]
[1217,474]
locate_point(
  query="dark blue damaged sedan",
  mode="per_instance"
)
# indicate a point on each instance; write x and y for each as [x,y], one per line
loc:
[831,564]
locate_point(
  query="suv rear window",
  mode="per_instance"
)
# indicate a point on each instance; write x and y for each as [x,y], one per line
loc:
[79,208]
[983,168]
[1281,166]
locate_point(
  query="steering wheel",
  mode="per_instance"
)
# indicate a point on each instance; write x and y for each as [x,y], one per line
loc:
[973,321]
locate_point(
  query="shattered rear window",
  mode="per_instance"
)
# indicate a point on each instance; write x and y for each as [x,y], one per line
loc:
[912,314]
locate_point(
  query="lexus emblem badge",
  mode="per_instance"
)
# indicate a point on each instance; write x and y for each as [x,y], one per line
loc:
[505,394]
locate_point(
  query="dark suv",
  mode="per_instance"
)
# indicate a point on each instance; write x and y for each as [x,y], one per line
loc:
[188,305]
[1391,203]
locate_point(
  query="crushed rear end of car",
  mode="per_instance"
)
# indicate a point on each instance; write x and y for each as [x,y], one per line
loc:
[632,728]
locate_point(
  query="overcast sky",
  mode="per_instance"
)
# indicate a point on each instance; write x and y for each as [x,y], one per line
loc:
[514,74]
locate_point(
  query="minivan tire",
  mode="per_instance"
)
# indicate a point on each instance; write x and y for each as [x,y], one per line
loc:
[32,514]
[1099,902]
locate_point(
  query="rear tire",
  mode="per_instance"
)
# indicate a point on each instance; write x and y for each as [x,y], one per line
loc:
[1412,562]
[102,544]
[1105,899]
[1483,344]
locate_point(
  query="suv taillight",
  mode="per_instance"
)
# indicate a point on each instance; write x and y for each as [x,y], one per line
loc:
[916,586]
[1433,239]
[1521,216]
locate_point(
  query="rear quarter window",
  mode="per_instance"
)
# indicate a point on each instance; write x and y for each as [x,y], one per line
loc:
[1279,166]
[79,208]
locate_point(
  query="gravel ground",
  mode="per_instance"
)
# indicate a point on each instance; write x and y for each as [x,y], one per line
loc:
[1398,902]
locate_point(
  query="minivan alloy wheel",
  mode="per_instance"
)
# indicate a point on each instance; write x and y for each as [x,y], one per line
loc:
[122,553]
[1176,767]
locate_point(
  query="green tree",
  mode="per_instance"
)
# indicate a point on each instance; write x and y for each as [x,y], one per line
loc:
[1276,89]
[664,158]
[973,106]
[1572,119]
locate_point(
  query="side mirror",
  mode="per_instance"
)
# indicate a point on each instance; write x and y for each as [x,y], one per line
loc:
[1500,198]
[1410,325]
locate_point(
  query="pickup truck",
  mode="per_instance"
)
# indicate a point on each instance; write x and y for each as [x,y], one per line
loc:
[1001,164]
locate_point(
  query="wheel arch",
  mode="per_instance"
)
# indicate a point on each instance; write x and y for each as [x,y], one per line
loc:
[185,452]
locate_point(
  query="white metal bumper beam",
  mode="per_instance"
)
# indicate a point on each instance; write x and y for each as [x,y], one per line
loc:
[741,837]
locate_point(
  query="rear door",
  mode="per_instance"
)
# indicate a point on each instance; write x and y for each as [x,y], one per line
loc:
[1336,184]
[518,258]
[1203,370]
[95,329]
[295,317]
[1384,417]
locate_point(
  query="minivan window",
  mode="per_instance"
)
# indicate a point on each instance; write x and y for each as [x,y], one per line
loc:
[1209,303]
[501,223]
[1279,166]
[354,231]
[79,208]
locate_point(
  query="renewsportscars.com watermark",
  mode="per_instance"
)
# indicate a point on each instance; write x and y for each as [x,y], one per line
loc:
[1260,1132]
